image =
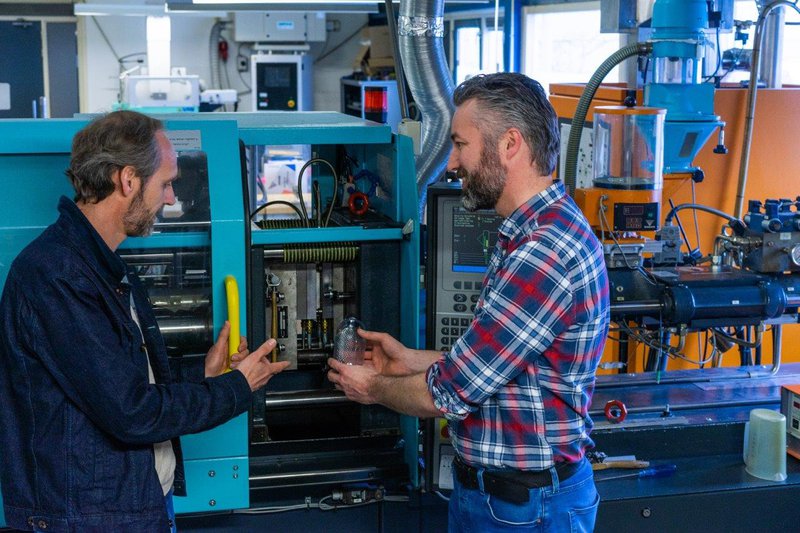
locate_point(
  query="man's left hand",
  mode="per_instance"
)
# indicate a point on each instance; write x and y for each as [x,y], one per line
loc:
[217,358]
[357,381]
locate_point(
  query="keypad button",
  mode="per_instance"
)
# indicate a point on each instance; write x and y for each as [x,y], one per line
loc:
[474,298]
[445,331]
[459,308]
[460,297]
[446,321]
[465,321]
[468,285]
[457,285]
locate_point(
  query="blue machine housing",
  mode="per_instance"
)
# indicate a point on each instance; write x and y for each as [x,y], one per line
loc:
[678,38]
[35,154]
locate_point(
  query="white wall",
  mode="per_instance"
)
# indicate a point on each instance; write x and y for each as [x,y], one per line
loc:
[99,68]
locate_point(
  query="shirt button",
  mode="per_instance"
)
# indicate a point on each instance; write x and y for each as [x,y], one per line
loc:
[42,524]
[30,521]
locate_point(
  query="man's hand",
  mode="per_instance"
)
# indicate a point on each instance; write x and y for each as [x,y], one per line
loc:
[391,358]
[257,368]
[355,380]
[217,358]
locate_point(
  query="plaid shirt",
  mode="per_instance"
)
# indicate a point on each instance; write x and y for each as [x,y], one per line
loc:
[516,387]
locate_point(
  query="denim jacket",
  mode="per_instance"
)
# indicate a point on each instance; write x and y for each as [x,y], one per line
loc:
[78,417]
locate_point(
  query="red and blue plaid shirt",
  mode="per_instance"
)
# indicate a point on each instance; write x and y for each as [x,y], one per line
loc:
[516,387]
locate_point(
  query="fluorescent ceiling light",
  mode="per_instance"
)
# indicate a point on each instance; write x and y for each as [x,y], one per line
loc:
[267,3]
[339,6]
[152,10]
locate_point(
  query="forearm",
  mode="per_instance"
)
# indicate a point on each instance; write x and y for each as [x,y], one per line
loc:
[421,360]
[407,394]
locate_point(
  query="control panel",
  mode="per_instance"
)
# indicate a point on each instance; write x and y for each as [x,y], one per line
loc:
[460,244]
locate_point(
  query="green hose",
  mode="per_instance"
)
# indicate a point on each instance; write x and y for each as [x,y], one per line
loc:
[571,166]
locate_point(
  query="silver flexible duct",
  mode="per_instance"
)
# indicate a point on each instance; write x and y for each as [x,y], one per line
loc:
[420,29]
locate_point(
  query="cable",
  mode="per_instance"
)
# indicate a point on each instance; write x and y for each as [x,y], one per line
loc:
[719,59]
[604,223]
[656,345]
[700,207]
[300,188]
[105,38]
[281,202]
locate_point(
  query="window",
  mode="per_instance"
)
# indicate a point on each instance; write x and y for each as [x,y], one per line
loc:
[562,43]
[474,43]
[746,10]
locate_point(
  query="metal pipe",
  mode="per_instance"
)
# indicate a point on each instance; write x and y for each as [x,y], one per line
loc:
[751,101]
[398,61]
[365,473]
[420,33]
[776,348]
[280,400]
[644,306]
[599,413]
[772,51]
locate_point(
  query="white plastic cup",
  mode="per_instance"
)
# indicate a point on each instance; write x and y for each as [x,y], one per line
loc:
[765,445]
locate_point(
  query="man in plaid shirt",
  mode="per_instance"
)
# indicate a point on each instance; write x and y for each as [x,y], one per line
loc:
[516,387]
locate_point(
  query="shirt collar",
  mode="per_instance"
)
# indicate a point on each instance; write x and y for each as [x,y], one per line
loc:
[527,214]
[88,242]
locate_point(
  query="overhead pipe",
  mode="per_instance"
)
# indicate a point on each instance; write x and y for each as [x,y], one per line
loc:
[420,28]
[752,91]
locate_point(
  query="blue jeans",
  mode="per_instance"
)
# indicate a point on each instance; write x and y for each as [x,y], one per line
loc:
[170,512]
[568,506]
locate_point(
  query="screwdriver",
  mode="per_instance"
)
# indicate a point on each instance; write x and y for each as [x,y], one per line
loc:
[655,471]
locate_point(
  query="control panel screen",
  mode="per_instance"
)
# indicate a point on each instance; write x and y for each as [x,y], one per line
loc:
[474,237]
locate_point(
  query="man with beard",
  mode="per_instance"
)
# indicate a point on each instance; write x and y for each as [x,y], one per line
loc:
[516,386]
[91,416]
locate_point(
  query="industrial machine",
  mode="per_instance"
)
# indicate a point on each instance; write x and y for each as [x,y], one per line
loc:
[460,244]
[298,276]
[281,82]
[375,100]
[684,305]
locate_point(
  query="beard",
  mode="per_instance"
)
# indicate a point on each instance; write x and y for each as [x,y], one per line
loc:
[481,188]
[138,220]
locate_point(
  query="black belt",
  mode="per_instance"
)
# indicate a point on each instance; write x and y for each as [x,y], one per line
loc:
[513,485]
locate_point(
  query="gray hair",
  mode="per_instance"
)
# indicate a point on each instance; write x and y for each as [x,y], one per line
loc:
[512,100]
[108,144]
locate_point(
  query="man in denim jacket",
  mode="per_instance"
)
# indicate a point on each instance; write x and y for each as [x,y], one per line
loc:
[91,417]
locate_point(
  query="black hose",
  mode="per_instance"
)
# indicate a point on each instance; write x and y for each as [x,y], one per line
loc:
[699,207]
[571,167]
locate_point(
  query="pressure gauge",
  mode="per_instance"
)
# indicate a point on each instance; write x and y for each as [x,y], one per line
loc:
[795,254]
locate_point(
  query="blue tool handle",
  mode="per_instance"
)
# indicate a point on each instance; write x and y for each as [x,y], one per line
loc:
[658,471]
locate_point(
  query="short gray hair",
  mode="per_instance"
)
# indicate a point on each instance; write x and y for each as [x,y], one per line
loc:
[513,100]
[108,144]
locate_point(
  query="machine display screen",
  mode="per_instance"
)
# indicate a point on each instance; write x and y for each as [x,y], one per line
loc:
[278,76]
[474,237]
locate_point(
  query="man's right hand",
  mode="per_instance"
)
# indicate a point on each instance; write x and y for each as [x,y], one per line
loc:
[256,367]
[391,358]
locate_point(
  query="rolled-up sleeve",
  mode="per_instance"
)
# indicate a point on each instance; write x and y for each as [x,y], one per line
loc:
[521,310]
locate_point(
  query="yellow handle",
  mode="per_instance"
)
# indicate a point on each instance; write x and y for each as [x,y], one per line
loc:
[232,294]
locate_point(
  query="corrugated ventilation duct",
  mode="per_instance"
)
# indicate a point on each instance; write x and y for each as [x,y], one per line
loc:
[420,28]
